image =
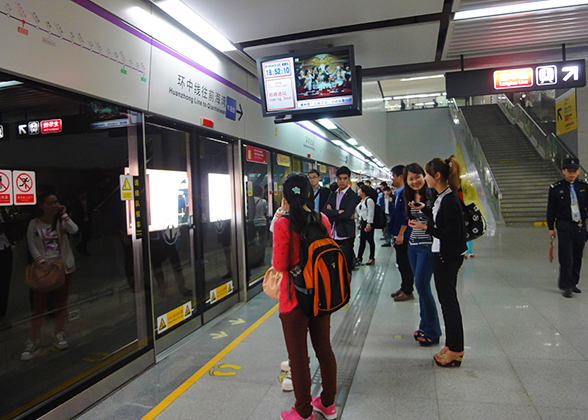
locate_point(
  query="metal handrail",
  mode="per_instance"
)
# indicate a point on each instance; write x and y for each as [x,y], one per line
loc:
[549,146]
[474,148]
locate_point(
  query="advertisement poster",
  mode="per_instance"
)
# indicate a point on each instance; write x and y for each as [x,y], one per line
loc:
[565,112]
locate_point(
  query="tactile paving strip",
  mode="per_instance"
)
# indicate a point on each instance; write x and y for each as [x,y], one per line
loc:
[350,336]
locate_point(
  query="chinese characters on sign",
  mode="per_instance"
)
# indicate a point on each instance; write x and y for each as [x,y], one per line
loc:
[199,94]
[509,79]
[279,84]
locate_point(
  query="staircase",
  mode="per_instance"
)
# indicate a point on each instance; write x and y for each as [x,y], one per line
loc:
[521,173]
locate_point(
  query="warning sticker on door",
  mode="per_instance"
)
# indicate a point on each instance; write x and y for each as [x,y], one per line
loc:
[126,187]
[174,317]
[6,188]
[24,188]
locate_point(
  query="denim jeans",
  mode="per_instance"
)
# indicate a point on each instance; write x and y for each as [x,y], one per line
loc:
[421,262]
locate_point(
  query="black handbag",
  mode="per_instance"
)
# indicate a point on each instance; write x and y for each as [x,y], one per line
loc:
[475,223]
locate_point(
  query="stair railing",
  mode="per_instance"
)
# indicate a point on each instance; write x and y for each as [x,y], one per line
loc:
[473,147]
[549,146]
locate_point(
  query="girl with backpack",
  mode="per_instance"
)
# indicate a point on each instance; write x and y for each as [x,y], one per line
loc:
[365,211]
[447,226]
[288,231]
[420,255]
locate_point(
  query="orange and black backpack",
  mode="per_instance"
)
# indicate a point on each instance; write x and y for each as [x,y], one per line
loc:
[321,278]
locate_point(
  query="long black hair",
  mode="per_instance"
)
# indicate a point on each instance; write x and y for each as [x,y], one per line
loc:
[409,193]
[369,192]
[448,168]
[297,189]
[40,200]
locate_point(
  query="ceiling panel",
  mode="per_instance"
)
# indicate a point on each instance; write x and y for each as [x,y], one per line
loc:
[523,32]
[396,87]
[243,21]
[393,46]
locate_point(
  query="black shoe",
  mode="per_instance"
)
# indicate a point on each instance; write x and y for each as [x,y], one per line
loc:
[386,245]
[576,290]
[567,293]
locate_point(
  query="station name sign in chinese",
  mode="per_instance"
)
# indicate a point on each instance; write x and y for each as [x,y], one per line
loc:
[561,75]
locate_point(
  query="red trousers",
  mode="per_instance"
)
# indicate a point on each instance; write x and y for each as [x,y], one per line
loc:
[40,305]
[296,327]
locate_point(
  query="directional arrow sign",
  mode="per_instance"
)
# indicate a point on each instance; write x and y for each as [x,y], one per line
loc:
[572,71]
[559,117]
[236,321]
[22,129]
[240,112]
[219,335]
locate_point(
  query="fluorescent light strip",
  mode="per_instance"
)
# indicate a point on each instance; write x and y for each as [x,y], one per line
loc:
[410,79]
[191,20]
[354,152]
[421,95]
[312,127]
[352,141]
[517,8]
[327,123]
[9,83]
[365,151]
[337,143]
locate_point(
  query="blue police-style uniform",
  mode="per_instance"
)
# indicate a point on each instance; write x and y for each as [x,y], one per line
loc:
[571,233]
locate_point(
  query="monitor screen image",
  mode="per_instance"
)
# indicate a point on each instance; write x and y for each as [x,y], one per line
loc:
[310,82]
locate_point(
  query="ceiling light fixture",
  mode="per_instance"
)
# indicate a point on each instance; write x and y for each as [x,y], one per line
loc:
[410,79]
[9,83]
[327,123]
[352,142]
[354,152]
[312,127]
[192,21]
[337,143]
[517,8]
[421,95]
[365,151]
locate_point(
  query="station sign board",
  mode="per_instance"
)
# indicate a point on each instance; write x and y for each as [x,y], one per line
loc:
[525,78]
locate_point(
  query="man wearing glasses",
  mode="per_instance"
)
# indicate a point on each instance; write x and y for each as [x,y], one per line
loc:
[319,195]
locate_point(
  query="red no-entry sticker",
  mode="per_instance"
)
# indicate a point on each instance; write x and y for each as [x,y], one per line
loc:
[6,198]
[24,188]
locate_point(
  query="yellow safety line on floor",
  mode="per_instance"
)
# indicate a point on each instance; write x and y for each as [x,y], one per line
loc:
[470,195]
[204,369]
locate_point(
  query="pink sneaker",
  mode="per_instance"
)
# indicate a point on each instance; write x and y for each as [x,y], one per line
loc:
[293,415]
[329,412]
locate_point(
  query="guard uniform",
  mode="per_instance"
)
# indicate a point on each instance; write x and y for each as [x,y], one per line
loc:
[569,216]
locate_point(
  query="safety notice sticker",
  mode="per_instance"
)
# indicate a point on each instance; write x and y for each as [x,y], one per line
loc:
[126,187]
[6,188]
[24,188]
[174,317]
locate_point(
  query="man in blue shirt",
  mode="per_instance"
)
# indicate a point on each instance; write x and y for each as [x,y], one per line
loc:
[399,230]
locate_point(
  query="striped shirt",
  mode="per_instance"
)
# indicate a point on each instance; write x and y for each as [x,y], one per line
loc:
[418,236]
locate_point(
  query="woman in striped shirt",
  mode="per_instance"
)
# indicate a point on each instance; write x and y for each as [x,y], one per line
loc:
[420,255]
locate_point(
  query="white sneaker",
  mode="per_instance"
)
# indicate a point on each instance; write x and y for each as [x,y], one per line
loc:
[59,341]
[287,385]
[31,350]
[285,366]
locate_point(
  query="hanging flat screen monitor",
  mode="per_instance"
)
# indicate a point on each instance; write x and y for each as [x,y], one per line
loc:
[310,85]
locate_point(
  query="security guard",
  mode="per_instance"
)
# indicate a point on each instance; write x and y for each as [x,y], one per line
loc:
[567,205]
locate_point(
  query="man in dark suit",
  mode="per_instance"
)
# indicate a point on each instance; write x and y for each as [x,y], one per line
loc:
[319,195]
[340,210]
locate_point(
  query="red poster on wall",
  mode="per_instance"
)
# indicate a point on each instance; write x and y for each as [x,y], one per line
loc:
[253,154]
